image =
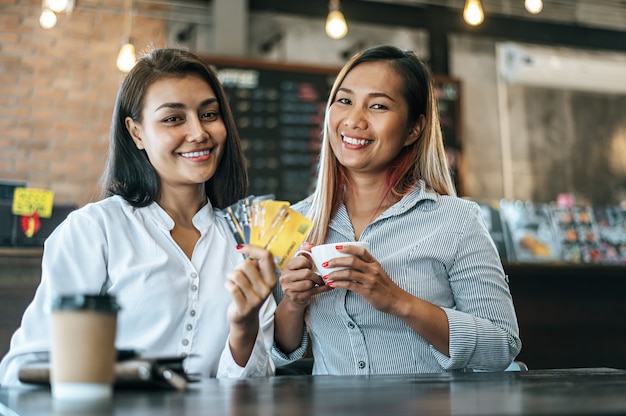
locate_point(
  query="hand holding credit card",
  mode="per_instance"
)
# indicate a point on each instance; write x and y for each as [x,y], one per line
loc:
[267,223]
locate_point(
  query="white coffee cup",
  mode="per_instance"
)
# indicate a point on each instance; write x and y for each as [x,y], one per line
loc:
[325,252]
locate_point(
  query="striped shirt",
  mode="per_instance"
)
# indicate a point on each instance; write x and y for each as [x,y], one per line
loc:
[437,248]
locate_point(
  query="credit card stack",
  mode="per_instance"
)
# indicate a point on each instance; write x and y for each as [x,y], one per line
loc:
[268,223]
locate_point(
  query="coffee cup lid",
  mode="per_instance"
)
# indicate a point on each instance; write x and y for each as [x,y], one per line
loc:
[94,302]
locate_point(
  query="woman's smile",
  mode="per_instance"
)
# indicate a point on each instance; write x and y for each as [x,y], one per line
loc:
[355,142]
[197,156]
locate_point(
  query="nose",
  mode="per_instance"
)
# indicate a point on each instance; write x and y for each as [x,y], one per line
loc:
[196,131]
[355,118]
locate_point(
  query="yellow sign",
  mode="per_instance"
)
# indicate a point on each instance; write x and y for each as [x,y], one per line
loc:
[27,201]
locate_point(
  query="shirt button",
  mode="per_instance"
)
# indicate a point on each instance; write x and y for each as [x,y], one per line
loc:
[192,313]
[194,288]
[351,325]
[189,327]
[361,364]
[193,275]
[186,342]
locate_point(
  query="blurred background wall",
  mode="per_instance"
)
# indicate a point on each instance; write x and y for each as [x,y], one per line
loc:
[519,141]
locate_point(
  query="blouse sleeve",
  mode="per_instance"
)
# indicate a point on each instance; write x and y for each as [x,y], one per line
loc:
[260,363]
[74,260]
[278,356]
[484,333]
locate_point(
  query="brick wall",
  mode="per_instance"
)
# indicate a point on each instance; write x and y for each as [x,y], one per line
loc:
[58,89]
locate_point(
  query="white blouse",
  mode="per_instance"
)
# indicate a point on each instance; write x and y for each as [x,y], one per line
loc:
[170,305]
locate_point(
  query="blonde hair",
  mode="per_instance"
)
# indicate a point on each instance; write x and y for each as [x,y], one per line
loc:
[424,160]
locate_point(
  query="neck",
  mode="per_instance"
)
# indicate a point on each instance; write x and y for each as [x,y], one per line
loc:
[368,197]
[182,204]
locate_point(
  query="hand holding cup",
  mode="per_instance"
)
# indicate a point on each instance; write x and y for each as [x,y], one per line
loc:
[321,254]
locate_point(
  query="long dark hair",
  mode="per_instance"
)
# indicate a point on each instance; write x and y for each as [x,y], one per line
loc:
[128,171]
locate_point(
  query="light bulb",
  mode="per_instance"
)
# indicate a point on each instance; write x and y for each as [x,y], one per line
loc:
[57,6]
[533,6]
[126,58]
[336,26]
[48,19]
[473,12]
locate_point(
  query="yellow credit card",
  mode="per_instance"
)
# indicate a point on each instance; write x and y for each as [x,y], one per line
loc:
[263,213]
[271,226]
[285,235]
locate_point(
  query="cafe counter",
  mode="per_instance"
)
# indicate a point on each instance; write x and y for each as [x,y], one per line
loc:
[570,315]
[20,272]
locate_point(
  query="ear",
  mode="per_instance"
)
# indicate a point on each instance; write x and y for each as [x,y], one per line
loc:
[415,131]
[133,129]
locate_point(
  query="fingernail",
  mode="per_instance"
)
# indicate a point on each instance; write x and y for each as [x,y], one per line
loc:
[239,246]
[325,277]
[325,264]
[329,284]
[338,247]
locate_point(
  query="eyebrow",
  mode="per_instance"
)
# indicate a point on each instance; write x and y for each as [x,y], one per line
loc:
[372,94]
[204,103]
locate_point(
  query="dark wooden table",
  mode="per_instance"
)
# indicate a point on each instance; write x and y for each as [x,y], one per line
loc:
[592,391]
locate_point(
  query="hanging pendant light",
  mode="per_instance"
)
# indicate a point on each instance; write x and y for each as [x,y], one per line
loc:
[47,19]
[50,8]
[126,58]
[533,6]
[336,26]
[473,12]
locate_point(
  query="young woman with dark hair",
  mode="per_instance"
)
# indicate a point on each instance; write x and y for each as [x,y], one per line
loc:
[156,240]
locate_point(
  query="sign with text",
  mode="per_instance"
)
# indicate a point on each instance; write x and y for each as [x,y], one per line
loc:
[28,201]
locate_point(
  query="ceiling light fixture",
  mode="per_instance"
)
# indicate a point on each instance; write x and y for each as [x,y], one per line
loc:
[533,6]
[473,12]
[47,19]
[126,58]
[336,26]
[49,10]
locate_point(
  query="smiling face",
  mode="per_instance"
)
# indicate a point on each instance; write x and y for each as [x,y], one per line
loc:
[182,131]
[368,119]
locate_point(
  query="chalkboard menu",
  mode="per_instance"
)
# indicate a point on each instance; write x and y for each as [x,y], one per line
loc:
[279,111]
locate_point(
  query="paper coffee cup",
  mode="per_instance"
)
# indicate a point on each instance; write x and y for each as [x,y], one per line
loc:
[324,252]
[83,351]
